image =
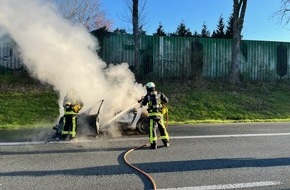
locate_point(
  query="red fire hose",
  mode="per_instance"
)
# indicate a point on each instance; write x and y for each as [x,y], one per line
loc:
[139,170]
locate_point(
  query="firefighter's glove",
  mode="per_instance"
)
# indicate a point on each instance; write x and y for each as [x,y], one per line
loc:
[142,98]
[76,108]
[164,110]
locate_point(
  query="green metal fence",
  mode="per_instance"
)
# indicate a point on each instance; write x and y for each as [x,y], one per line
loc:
[9,57]
[184,57]
[188,57]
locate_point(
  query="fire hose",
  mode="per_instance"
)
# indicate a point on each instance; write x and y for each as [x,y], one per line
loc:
[132,149]
[139,170]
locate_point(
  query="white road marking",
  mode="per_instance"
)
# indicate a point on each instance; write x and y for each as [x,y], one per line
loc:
[41,142]
[145,138]
[229,186]
[208,136]
[229,136]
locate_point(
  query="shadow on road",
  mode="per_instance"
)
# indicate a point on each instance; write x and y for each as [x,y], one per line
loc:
[161,167]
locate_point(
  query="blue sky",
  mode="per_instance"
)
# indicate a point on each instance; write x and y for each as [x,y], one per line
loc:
[259,21]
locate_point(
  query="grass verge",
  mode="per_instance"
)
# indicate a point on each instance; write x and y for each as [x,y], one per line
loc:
[212,102]
[27,103]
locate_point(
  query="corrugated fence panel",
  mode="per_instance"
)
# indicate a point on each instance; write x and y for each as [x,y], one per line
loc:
[9,57]
[159,56]
[259,60]
[185,57]
[176,57]
[118,49]
[216,58]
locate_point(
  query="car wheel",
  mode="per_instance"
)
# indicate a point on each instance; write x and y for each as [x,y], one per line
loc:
[143,126]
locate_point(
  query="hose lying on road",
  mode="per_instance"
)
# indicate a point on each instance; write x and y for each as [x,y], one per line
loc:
[139,170]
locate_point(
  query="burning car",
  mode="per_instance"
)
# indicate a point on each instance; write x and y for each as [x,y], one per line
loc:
[134,119]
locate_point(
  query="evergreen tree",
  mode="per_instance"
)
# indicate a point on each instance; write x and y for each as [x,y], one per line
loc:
[195,34]
[182,30]
[119,31]
[100,34]
[205,33]
[229,30]
[160,31]
[219,32]
[214,34]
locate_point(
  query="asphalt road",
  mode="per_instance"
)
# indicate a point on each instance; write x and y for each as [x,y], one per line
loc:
[207,156]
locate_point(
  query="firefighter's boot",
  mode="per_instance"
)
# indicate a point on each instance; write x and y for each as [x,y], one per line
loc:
[165,142]
[153,145]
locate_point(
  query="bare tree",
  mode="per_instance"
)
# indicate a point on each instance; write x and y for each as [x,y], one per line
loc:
[135,21]
[284,12]
[87,12]
[127,14]
[135,17]
[238,22]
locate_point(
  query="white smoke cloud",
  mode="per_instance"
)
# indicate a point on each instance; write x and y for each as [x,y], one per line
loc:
[64,55]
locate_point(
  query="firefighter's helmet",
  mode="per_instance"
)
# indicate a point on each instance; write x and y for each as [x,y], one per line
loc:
[150,86]
[67,103]
[68,106]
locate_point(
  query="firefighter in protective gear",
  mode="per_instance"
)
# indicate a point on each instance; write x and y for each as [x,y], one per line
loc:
[156,103]
[72,105]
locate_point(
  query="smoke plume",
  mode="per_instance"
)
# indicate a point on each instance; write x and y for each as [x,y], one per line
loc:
[63,54]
